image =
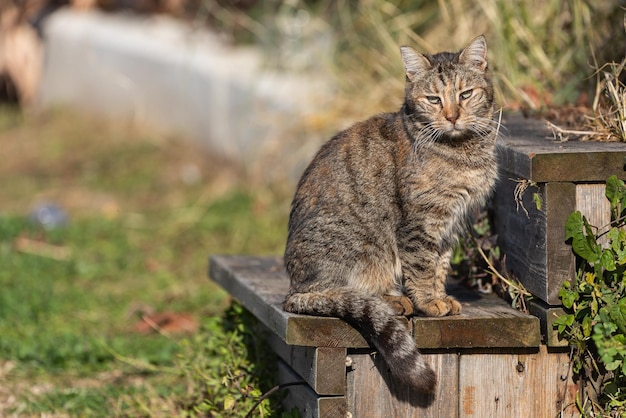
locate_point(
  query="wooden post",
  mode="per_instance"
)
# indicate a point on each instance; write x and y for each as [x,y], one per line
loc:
[542,181]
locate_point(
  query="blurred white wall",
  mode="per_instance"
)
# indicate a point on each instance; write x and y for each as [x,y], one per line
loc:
[165,74]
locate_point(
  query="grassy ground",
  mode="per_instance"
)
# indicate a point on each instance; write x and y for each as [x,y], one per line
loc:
[143,214]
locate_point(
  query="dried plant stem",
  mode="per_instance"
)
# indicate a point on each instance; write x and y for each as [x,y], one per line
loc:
[562,134]
[513,287]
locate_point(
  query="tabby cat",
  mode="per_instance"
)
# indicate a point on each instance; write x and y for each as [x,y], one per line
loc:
[378,211]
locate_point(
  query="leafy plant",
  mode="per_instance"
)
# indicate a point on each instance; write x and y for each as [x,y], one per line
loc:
[595,303]
[230,370]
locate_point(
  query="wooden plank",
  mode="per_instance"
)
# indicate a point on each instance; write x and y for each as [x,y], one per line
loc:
[527,384]
[305,400]
[547,315]
[484,321]
[521,234]
[532,234]
[529,152]
[560,201]
[323,368]
[591,201]
[376,395]
[259,283]
[487,325]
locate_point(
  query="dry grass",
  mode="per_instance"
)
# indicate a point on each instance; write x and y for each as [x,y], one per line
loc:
[540,50]
[609,105]
[606,120]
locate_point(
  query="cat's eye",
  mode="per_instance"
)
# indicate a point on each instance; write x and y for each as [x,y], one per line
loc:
[466,94]
[433,100]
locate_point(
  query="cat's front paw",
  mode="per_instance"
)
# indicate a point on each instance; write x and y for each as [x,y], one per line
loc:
[441,307]
[455,306]
[401,305]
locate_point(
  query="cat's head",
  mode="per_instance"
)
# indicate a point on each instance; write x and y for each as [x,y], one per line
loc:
[451,94]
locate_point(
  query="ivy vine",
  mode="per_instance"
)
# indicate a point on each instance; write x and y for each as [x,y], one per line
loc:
[594,322]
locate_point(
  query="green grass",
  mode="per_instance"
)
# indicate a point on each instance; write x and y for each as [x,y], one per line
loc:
[138,238]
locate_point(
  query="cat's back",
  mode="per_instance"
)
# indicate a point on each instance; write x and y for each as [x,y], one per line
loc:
[344,202]
[363,152]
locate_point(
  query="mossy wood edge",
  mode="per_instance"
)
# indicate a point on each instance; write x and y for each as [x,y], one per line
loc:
[260,284]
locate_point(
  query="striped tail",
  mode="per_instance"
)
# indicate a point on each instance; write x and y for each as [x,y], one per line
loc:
[375,320]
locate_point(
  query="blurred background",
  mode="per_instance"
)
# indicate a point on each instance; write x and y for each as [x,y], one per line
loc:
[140,136]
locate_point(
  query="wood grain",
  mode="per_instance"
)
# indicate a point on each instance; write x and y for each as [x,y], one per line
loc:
[547,315]
[566,176]
[323,368]
[532,235]
[532,384]
[309,403]
[375,394]
[528,150]
[513,380]
[260,284]
[591,201]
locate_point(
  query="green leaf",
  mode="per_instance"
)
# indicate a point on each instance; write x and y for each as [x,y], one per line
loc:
[584,244]
[614,238]
[612,189]
[229,403]
[607,260]
[612,365]
[596,298]
[563,322]
[586,326]
[568,296]
[573,225]
[615,192]
[538,201]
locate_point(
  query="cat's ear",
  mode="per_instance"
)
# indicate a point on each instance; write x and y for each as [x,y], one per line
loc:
[414,62]
[475,53]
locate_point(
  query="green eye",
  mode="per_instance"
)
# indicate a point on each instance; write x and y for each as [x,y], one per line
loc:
[433,99]
[466,94]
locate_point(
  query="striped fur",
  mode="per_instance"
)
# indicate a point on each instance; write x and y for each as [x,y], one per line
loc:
[379,209]
[374,318]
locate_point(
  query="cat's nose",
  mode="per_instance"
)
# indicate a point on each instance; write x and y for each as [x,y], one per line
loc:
[452,118]
[451,114]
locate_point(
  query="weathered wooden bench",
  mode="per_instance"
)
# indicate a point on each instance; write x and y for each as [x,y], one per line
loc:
[490,359]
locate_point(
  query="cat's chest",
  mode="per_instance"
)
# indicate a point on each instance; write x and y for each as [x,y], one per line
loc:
[438,182]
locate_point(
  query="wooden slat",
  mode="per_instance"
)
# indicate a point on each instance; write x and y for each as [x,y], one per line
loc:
[547,315]
[310,404]
[260,284]
[323,368]
[533,237]
[376,395]
[492,324]
[526,151]
[559,202]
[591,201]
[521,234]
[532,384]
